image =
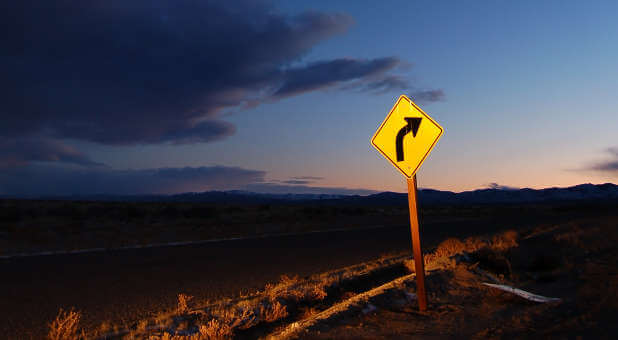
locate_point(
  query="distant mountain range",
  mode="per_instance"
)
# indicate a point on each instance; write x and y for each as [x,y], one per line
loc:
[607,191]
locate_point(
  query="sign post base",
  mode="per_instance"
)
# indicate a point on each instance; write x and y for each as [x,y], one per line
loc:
[419,264]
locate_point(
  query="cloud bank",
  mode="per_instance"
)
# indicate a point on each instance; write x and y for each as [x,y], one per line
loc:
[609,165]
[39,179]
[276,188]
[123,73]
[45,179]
[21,151]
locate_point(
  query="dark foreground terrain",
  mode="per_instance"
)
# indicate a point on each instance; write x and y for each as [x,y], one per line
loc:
[122,287]
[576,262]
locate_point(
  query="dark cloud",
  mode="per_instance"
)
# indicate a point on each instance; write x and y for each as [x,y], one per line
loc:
[296,181]
[275,188]
[497,186]
[21,151]
[427,95]
[52,179]
[120,73]
[47,179]
[299,180]
[311,178]
[328,73]
[388,83]
[147,71]
[609,165]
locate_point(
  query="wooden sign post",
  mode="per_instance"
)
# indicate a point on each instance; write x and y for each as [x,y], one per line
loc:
[405,138]
[419,263]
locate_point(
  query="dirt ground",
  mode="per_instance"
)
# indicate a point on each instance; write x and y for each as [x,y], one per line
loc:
[568,257]
[576,262]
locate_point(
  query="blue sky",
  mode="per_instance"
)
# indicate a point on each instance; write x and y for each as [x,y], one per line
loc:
[529,100]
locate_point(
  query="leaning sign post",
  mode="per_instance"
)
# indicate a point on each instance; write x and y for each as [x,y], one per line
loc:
[405,138]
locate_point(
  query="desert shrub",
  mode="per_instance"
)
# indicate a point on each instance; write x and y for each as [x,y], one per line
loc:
[281,289]
[273,311]
[449,247]
[315,293]
[431,262]
[307,293]
[216,329]
[440,262]
[162,320]
[184,302]
[288,280]
[64,327]
[307,312]
[473,244]
[409,264]
[289,289]
[504,241]
[441,258]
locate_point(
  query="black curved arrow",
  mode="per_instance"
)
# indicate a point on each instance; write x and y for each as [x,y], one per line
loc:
[413,124]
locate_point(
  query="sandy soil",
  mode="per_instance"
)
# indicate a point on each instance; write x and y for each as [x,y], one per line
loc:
[576,262]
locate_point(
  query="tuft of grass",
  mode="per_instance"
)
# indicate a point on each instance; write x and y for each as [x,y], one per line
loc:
[473,244]
[307,312]
[215,329]
[273,311]
[288,280]
[184,302]
[292,289]
[221,319]
[450,247]
[504,241]
[65,326]
[315,293]
[442,257]
[410,266]
[142,326]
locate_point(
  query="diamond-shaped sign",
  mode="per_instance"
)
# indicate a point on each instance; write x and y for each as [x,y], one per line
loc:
[406,136]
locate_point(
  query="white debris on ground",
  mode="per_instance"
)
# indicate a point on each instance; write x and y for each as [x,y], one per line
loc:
[523,293]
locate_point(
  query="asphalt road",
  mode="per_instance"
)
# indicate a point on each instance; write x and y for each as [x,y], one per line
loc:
[129,285]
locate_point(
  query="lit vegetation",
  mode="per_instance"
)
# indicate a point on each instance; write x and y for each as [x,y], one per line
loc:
[65,326]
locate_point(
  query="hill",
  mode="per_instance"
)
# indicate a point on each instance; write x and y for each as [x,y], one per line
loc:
[582,192]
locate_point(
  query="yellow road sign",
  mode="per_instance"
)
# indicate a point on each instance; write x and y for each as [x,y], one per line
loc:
[406,136]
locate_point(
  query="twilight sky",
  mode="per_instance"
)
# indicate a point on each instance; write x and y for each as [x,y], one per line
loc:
[133,97]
